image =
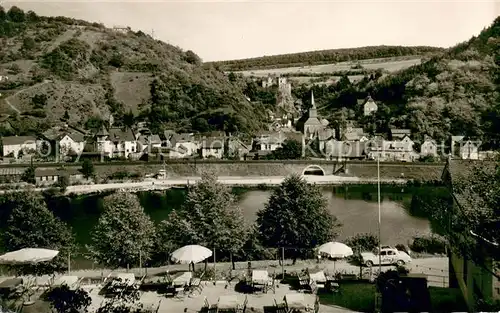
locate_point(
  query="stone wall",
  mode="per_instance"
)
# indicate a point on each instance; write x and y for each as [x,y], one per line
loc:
[424,172]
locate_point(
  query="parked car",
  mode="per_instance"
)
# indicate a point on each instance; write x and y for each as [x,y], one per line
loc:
[388,256]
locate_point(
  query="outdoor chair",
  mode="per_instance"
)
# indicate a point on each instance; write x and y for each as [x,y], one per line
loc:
[242,307]
[207,307]
[303,281]
[271,284]
[280,307]
[195,285]
[313,286]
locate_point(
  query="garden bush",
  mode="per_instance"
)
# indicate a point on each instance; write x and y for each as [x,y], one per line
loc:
[429,244]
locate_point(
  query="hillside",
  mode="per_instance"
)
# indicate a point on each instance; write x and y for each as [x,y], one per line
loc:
[322,57]
[61,68]
[455,92]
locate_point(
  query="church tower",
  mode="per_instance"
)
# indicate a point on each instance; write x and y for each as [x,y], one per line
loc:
[313,112]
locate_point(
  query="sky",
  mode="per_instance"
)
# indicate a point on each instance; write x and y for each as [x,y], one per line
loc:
[231,29]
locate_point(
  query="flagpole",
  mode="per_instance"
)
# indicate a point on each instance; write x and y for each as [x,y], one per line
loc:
[379,219]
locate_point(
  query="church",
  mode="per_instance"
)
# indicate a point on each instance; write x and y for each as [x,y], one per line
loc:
[313,127]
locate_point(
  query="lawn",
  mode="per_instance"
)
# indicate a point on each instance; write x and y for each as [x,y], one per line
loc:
[360,297]
[356,296]
[447,300]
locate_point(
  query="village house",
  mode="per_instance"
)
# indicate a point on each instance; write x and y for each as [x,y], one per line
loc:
[182,145]
[370,107]
[353,134]
[345,150]
[429,148]
[392,150]
[237,148]
[13,146]
[51,176]
[146,143]
[268,141]
[11,175]
[397,133]
[116,142]
[476,280]
[469,150]
[212,147]
[63,140]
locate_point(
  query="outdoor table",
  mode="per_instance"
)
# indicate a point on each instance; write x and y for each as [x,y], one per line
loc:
[260,277]
[69,281]
[295,301]
[227,303]
[183,279]
[318,277]
[10,285]
[126,278]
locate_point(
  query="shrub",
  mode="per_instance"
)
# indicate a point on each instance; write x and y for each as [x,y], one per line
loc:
[429,244]
[362,242]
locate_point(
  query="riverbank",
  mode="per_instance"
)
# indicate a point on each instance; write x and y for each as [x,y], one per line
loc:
[162,184]
[234,181]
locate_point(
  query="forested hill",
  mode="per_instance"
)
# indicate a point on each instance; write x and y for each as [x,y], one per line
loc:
[59,68]
[454,93]
[323,57]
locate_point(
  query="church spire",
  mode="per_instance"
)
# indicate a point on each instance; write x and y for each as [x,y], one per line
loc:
[312,111]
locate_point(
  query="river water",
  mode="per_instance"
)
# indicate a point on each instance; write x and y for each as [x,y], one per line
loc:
[360,215]
[355,207]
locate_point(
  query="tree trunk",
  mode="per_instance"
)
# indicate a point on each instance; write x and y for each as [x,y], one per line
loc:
[232,260]
[206,265]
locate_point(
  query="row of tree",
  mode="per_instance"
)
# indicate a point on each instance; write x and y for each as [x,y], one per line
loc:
[296,217]
[322,57]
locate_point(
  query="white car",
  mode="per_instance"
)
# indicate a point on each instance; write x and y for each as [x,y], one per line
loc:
[388,256]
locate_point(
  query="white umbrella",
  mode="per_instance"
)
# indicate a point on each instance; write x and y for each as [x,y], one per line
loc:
[335,250]
[191,254]
[28,256]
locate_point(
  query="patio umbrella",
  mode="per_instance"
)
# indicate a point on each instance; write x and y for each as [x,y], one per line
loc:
[28,256]
[191,254]
[335,250]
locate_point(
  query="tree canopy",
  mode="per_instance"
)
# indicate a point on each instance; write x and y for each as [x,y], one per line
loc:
[209,217]
[32,225]
[296,216]
[124,233]
[474,224]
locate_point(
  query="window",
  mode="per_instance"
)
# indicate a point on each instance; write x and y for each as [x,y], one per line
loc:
[383,253]
[391,253]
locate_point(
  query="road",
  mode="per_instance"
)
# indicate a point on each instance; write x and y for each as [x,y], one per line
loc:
[157,184]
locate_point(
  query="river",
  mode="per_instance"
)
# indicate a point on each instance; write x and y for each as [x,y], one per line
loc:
[355,206]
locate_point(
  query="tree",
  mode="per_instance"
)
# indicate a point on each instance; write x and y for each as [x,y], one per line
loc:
[362,242]
[124,234]
[129,119]
[63,182]
[66,115]
[88,170]
[32,225]
[209,217]
[296,217]
[473,225]
[290,150]
[29,175]
[15,14]
[64,300]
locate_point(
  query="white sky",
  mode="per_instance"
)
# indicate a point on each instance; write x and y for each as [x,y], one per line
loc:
[221,30]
